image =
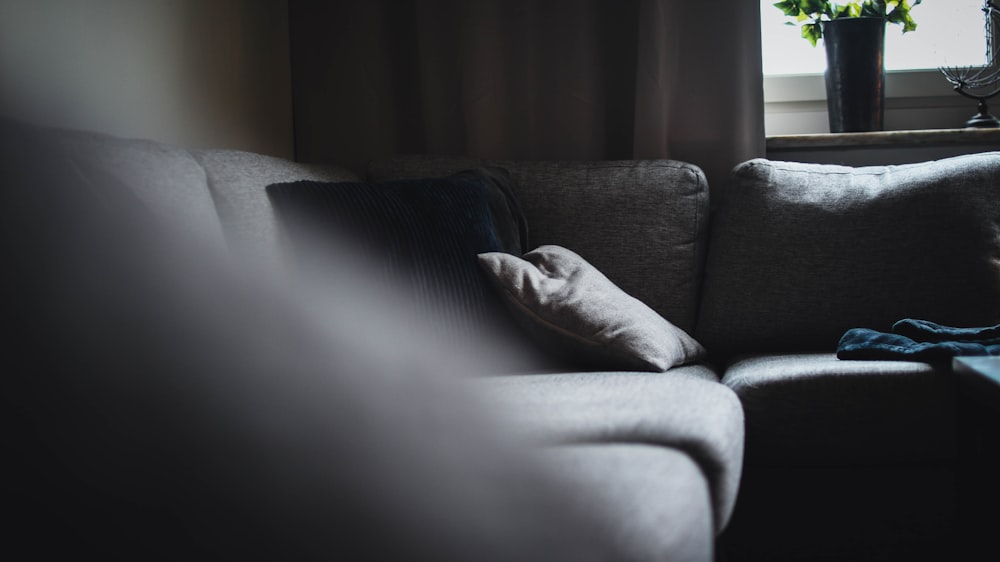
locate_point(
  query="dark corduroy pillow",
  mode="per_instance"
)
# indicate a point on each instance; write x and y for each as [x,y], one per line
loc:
[424,234]
[800,253]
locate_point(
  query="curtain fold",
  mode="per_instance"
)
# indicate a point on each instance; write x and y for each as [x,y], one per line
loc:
[528,79]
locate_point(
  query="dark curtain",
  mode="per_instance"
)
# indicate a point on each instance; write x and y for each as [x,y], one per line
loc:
[528,79]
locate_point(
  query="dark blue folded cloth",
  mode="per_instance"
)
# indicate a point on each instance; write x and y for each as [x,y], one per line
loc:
[862,343]
[919,340]
[926,331]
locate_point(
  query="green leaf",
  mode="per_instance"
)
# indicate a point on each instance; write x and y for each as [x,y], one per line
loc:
[873,9]
[815,7]
[788,7]
[812,32]
[901,15]
[850,10]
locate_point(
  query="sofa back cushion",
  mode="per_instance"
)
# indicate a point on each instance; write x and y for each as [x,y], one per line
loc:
[641,223]
[237,181]
[166,179]
[799,253]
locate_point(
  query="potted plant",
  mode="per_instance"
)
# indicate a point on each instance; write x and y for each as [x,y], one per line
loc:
[853,34]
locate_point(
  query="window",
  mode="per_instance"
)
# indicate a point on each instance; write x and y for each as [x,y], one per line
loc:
[949,33]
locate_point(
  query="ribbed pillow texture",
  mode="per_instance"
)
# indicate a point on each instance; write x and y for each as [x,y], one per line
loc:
[424,234]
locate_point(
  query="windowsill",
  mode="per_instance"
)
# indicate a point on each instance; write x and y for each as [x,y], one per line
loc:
[898,84]
[928,137]
[915,100]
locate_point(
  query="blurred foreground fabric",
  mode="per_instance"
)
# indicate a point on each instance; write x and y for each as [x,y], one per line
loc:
[162,400]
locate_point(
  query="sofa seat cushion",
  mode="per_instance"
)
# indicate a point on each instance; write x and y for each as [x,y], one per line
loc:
[683,409]
[651,502]
[816,410]
[641,223]
[800,253]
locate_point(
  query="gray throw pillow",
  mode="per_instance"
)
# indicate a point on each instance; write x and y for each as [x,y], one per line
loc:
[573,310]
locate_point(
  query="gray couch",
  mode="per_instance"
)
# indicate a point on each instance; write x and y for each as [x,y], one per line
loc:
[616,432]
[834,459]
[848,459]
[844,460]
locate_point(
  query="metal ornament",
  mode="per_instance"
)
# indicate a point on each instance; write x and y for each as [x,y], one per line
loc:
[980,82]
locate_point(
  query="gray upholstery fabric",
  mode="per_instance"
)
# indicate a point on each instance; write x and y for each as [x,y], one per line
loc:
[800,253]
[844,514]
[167,179]
[162,402]
[570,305]
[237,181]
[680,409]
[652,502]
[813,409]
[642,223]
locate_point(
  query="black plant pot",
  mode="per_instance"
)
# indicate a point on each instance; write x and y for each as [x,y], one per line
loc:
[855,74]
